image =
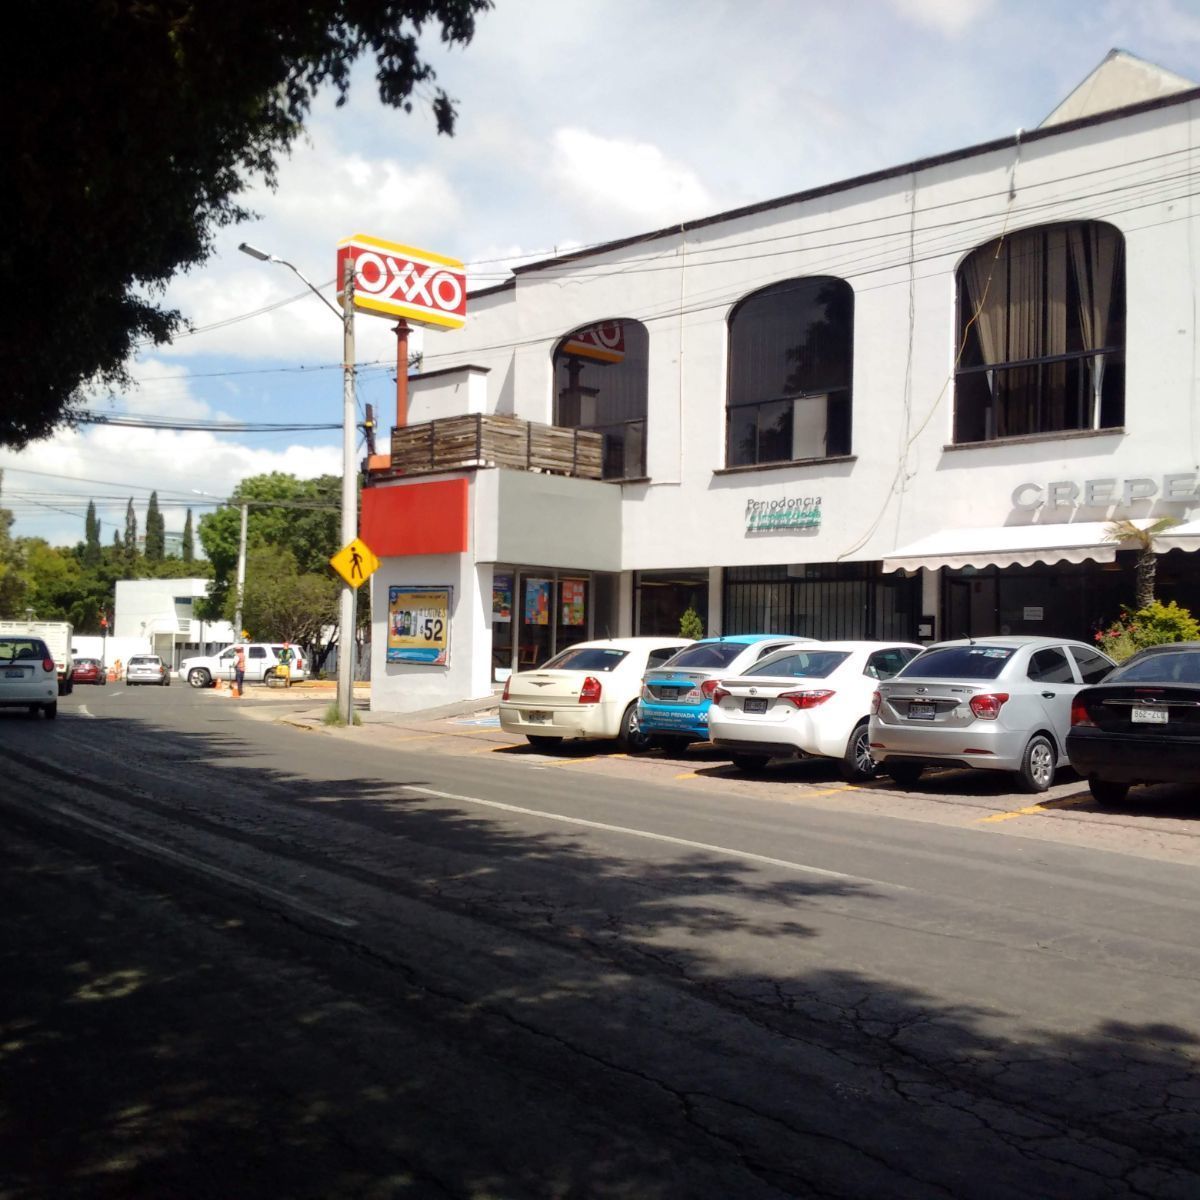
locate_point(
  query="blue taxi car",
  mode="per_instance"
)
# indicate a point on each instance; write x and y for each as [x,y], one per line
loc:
[676,697]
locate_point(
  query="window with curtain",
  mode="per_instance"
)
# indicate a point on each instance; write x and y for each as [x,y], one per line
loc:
[1041,331]
[600,384]
[790,352]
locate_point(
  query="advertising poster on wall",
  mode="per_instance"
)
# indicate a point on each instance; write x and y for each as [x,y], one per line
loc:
[419,625]
[537,602]
[502,590]
[573,591]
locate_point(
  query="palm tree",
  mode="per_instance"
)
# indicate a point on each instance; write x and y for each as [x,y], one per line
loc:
[1147,548]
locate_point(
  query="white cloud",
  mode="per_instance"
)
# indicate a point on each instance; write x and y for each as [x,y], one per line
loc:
[626,179]
[951,18]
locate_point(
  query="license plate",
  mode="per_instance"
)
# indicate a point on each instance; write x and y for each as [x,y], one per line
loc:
[666,693]
[754,706]
[538,718]
[1154,716]
[14,674]
[920,712]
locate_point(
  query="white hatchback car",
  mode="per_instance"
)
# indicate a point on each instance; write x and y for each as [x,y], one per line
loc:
[1000,703]
[28,675]
[589,690]
[809,701]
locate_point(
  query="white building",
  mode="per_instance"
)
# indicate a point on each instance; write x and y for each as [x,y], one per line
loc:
[907,404]
[162,612]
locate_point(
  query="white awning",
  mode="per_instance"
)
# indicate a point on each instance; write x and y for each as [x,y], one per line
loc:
[1179,537]
[1008,546]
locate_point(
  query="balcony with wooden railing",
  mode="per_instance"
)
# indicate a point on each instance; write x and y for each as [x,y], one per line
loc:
[489,440]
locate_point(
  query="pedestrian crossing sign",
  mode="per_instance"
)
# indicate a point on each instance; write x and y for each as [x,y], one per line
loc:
[355,563]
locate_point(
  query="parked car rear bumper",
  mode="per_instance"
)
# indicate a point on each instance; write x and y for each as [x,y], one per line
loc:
[1139,758]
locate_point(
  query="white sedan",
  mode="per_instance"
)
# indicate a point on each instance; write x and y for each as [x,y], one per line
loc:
[806,702]
[28,675]
[589,690]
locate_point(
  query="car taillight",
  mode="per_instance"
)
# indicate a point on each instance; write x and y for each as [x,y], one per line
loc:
[48,664]
[806,699]
[987,705]
[708,688]
[1079,713]
[507,685]
[647,694]
[590,692]
[718,694]
[876,701]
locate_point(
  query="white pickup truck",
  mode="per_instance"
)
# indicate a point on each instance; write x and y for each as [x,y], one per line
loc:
[57,635]
[262,662]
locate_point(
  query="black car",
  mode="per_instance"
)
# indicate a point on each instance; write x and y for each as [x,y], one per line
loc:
[1141,725]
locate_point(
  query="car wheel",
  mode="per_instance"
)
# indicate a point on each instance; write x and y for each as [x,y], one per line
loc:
[1108,791]
[1036,772]
[32,710]
[750,762]
[905,774]
[857,763]
[631,739]
[198,677]
[50,711]
[541,741]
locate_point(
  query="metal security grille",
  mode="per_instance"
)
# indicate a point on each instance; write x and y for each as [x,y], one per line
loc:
[830,601]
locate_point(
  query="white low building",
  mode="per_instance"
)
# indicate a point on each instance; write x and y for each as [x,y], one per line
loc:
[908,404]
[162,613]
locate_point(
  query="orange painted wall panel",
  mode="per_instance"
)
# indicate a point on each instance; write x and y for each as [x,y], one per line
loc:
[416,518]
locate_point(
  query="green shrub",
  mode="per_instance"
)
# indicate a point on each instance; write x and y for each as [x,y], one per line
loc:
[1150,626]
[690,625]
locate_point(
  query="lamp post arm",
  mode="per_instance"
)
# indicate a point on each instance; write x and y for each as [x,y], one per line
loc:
[309,284]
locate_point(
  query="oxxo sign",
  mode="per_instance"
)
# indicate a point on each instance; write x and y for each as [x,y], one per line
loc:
[1180,488]
[391,280]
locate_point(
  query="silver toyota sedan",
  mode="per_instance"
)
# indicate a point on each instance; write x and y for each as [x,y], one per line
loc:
[997,703]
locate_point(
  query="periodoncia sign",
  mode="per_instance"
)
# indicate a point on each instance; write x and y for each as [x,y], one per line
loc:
[397,281]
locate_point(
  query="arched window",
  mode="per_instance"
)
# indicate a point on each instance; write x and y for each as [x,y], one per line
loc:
[1041,326]
[790,360]
[600,384]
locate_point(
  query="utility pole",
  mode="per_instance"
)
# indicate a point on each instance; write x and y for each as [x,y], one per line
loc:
[346,638]
[241,578]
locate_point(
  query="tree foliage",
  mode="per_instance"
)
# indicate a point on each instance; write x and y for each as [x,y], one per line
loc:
[188,549]
[156,531]
[91,545]
[1146,541]
[281,602]
[135,127]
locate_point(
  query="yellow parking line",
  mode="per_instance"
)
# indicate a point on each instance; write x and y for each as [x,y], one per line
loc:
[1035,809]
[688,775]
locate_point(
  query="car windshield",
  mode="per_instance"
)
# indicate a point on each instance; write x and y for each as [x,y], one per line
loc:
[1182,666]
[799,664]
[24,648]
[585,658]
[143,661]
[959,662]
[707,654]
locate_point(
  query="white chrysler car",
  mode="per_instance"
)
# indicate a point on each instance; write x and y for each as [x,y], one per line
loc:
[589,690]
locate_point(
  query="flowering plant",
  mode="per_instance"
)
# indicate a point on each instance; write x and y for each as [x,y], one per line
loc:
[1150,626]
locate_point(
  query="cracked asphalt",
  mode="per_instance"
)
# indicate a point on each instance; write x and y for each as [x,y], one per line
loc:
[414,960]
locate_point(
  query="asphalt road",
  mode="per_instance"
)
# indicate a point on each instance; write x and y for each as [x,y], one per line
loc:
[241,960]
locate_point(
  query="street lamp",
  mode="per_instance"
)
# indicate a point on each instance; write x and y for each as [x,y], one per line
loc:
[345,679]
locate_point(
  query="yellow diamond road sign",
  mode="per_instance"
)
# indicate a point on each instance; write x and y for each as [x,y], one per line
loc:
[355,563]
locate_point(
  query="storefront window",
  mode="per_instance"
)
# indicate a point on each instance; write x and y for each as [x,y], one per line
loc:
[662,597]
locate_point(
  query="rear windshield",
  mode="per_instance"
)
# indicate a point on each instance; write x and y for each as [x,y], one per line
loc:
[141,660]
[959,662]
[808,664]
[12,648]
[1180,667]
[585,658]
[707,654]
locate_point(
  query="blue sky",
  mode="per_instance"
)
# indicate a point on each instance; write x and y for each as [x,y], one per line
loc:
[578,123]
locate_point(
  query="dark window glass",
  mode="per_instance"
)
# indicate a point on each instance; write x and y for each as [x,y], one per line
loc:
[585,658]
[664,655]
[959,662]
[790,360]
[600,384]
[801,663]
[708,654]
[1041,326]
[1181,666]
[883,664]
[258,652]
[13,648]
[1092,667]
[1050,666]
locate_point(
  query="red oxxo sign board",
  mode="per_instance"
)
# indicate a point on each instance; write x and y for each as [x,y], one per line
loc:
[391,280]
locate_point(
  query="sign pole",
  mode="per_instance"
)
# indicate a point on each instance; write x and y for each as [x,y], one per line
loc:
[346,639]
